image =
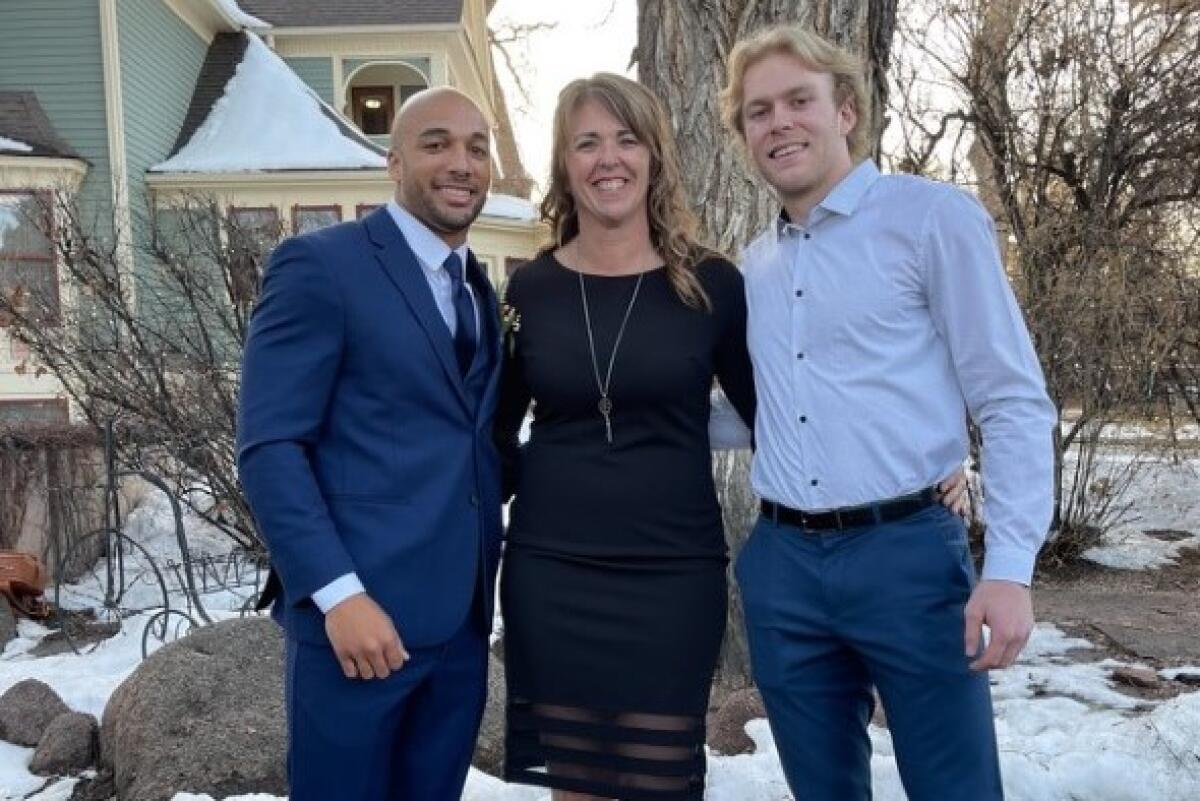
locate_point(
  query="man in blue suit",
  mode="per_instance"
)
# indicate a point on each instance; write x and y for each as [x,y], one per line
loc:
[364,447]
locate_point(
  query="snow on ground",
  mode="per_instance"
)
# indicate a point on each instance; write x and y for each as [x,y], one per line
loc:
[13,146]
[269,119]
[1064,735]
[1140,432]
[1064,731]
[1166,498]
[152,526]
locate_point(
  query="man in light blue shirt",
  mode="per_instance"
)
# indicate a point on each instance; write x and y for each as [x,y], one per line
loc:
[880,317]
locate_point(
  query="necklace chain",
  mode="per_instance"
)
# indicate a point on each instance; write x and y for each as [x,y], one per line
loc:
[604,405]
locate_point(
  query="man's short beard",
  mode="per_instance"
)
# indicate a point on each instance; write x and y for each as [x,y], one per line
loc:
[428,213]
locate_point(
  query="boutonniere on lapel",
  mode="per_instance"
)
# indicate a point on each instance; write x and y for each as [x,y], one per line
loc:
[510,324]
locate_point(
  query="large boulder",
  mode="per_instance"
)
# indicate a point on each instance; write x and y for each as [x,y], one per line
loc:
[26,710]
[489,748]
[69,746]
[203,714]
[727,728]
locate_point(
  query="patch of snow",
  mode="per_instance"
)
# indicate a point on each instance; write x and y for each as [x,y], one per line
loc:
[60,790]
[1166,497]
[85,681]
[510,207]
[231,9]
[13,146]
[250,797]
[150,583]
[1127,432]
[15,779]
[269,119]
[1175,672]
[1125,547]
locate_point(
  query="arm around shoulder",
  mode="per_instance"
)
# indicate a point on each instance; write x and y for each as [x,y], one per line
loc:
[734,370]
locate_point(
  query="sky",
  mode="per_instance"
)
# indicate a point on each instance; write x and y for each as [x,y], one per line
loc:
[589,36]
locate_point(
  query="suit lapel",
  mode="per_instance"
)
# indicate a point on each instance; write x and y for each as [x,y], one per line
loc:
[401,266]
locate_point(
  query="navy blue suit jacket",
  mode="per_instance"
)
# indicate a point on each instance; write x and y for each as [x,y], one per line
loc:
[361,447]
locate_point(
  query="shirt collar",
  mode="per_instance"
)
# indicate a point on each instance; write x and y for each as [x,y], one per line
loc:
[427,246]
[843,199]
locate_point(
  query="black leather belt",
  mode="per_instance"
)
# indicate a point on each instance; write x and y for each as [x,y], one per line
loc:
[869,514]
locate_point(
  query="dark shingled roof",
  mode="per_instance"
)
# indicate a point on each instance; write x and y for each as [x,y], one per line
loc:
[22,118]
[220,64]
[321,13]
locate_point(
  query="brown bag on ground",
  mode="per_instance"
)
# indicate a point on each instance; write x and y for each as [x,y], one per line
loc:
[22,582]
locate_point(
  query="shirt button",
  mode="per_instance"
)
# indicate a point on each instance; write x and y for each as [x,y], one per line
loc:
[803,418]
[814,482]
[799,355]
[799,293]
[807,235]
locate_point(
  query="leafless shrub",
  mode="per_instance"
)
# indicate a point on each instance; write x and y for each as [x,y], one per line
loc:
[1079,121]
[151,336]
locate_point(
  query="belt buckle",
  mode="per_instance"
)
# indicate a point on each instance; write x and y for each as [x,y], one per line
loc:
[803,519]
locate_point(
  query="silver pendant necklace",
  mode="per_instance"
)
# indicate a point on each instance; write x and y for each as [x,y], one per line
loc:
[605,405]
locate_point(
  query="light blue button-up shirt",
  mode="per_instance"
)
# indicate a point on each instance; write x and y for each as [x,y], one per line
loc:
[431,253]
[875,326]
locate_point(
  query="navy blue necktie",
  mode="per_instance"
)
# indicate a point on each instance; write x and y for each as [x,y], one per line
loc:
[465,337]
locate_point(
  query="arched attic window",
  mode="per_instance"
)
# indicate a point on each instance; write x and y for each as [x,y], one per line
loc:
[377,90]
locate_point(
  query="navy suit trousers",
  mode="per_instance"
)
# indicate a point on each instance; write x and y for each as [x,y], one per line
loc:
[408,737]
[829,614]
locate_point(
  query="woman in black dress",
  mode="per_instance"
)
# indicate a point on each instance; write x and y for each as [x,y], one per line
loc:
[613,587]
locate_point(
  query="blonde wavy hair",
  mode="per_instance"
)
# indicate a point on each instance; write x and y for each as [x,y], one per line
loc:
[673,226]
[813,51]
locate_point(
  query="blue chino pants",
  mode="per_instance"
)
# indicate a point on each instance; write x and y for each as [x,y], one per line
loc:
[829,614]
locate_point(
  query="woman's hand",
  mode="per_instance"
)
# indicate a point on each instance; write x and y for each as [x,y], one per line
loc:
[955,494]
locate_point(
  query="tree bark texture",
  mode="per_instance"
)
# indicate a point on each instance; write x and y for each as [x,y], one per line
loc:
[681,55]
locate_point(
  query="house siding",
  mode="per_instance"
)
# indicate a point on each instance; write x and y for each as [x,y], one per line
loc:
[161,57]
[317,73]
[53,48]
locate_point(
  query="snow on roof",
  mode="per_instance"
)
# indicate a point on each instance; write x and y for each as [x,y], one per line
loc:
[513,208]
[269,119]
[231,9]
[14,146]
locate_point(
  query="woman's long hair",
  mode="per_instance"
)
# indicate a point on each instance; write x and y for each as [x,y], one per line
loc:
[673,226]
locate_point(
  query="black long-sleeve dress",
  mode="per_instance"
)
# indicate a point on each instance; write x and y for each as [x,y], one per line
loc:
[613,587]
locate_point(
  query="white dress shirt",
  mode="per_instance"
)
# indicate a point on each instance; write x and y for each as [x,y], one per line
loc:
[875,327]
[431,253]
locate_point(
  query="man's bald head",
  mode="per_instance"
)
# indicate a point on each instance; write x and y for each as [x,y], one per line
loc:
[441,160]
[430,102]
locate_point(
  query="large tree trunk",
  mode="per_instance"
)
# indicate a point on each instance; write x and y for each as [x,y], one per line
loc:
[681,56]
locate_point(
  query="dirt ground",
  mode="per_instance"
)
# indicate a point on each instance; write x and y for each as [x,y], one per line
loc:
[1150,615]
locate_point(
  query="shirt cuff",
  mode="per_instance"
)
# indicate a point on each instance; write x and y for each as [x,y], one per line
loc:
[1008,564]
[337,591]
